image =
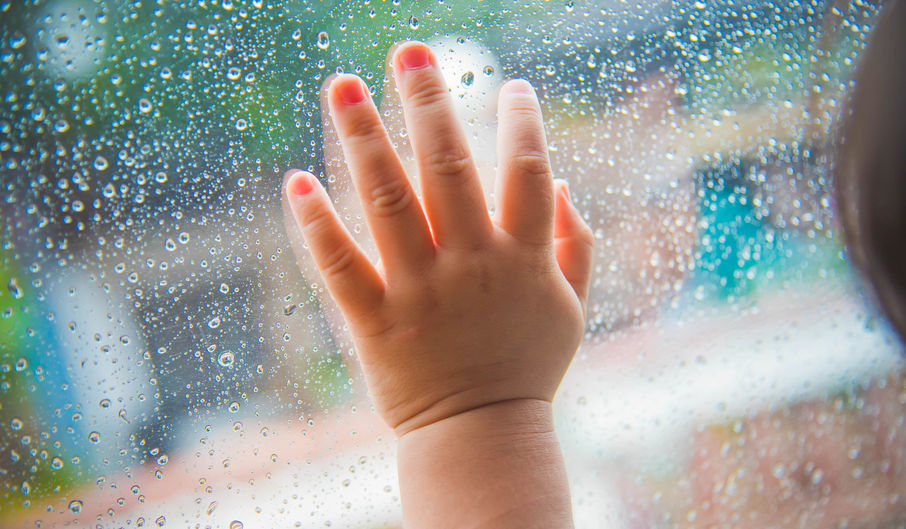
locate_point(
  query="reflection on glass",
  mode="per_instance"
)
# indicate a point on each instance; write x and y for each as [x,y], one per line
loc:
[164,363]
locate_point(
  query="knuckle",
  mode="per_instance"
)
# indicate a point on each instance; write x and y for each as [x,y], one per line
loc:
[449,164]
[525,113]
[363,128]
[531,164]
[337,261]
[332,256]
[391,198]
[425,91]
[315,221]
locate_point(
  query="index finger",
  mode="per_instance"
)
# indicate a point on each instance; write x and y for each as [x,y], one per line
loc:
[394,216]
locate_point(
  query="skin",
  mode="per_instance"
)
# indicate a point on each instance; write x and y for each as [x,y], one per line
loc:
[466,327]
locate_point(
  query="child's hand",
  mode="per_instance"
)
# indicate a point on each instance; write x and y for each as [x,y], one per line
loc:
[463,311]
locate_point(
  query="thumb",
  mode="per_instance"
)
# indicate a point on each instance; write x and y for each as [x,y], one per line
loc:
[573,242]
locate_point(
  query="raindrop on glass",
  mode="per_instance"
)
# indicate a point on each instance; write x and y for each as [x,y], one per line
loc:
[14,289]
[226,359]
[323,40]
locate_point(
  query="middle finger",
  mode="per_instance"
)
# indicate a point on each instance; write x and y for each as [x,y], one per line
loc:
[451,189]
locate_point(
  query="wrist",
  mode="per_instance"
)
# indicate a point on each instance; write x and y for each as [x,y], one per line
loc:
[498,466]
[504,417]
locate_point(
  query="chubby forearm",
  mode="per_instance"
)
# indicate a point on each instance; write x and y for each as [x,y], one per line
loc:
[496,466]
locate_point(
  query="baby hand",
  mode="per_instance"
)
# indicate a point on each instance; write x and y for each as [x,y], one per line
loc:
[464,311]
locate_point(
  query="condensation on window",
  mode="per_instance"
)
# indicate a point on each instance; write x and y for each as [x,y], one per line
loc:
[166,360]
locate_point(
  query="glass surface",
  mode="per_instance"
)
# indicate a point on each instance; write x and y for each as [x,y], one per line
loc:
[163,362]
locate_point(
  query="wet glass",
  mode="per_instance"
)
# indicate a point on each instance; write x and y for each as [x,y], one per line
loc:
[166,359]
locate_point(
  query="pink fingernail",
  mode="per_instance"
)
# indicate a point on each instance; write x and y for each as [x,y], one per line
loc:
[414,57]
[350,89]
[300,184]
[519,86]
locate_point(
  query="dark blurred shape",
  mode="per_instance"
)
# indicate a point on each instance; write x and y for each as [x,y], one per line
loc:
[871,164]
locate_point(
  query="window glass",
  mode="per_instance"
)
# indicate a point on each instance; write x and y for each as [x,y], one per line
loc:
[164,362]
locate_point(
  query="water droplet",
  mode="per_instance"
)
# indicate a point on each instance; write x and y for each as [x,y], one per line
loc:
[14,289]
[467,78]
[21,364]
[162,460]
[488,70]
[323,40]
[289,309]
[226,359]
[234,407]
[100,163]
[144,106]
[183,238]
[224,288]
[161,521]
[25,488]
[17,40]
[233,73]
[75,506]
[413,22]
[56,463]
[241,124]
[170,245]
[94,437]
[211,507]
[15,425]
[215,322]
[236,524]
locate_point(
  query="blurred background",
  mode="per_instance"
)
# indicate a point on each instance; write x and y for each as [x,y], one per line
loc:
[166,360]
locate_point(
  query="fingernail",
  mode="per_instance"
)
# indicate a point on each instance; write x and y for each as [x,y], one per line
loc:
[350,89]
[415,57]
[519,86]
[300,184]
